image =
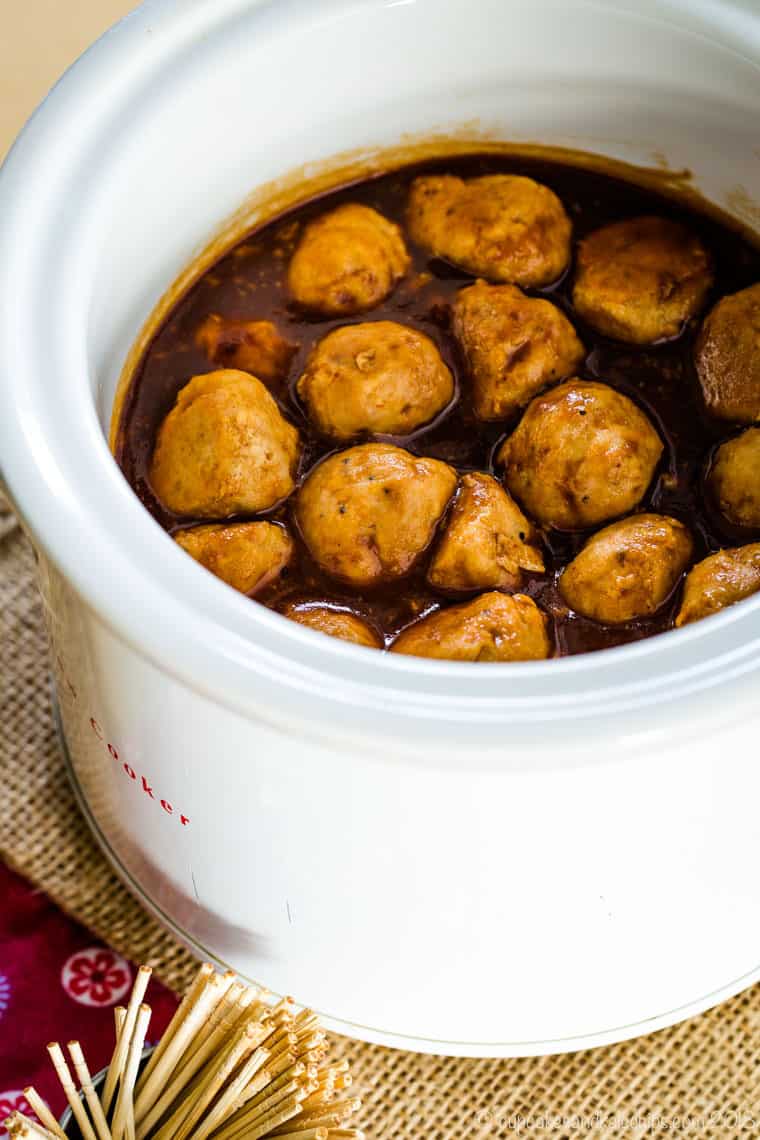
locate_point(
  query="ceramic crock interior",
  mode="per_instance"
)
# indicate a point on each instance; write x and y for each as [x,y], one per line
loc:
[280,87]
[177,116]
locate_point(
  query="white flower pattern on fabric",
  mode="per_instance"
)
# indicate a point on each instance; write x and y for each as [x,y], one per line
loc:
[12,1100]
[96,976]
[5,996]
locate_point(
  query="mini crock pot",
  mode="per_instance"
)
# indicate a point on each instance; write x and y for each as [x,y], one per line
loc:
[489,860]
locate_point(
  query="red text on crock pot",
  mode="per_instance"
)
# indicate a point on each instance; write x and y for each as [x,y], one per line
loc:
[142,782]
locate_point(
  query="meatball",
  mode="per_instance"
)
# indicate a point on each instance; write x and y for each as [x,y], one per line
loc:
[581,454]
[734,479]
[224,448]
[502,226]
[347,261]
[253,346]
[627,570]
[727,357]
[366,514]
[336,623]
[640,280]
[719,581]
[487,543]
[513,346]
[247,556]
[493,627]
[374,377]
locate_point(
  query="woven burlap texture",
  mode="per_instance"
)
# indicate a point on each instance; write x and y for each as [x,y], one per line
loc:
[700,1079]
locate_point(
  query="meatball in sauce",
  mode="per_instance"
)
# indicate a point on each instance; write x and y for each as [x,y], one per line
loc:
[486,407]
[224,448]
[494,627]
[487,543]
[347,261]
[641,280]
[368,513]
[247,556]
[627,570]
[727,357]
[513,345]
[251,346]
[376,377]
[718,581]
[582,453]
[502,227]
[734,479]
[336,623]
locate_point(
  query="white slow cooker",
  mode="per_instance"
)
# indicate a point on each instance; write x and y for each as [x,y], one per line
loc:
[468,859]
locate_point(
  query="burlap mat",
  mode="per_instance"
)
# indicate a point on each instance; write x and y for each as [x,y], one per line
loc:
[701,1078]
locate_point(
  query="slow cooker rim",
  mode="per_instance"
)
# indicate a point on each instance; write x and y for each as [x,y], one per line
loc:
[608,678]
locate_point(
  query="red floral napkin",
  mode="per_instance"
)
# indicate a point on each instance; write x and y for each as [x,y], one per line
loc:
[57,983]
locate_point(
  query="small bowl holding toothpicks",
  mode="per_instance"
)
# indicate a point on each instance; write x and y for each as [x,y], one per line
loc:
[232,1065]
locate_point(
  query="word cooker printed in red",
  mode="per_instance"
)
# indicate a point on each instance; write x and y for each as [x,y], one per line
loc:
[143,782]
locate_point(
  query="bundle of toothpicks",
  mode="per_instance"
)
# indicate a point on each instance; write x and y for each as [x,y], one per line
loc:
[232,1065]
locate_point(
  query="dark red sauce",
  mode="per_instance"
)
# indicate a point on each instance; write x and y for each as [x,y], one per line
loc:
[249,283]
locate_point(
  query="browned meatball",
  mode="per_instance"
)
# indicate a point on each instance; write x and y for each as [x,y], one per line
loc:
[719,581]
[493,627]
[501,226]
[734,479]
[487,543]
[513,346]
[727,357]
[336,623]
[582,453]
[627,570]
[347,261]
[640,280]
[378,376]
[253,346]
[247,556]
[367,513]
[224,448]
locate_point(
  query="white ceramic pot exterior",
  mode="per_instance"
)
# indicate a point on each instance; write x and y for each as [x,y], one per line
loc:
[488,860]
